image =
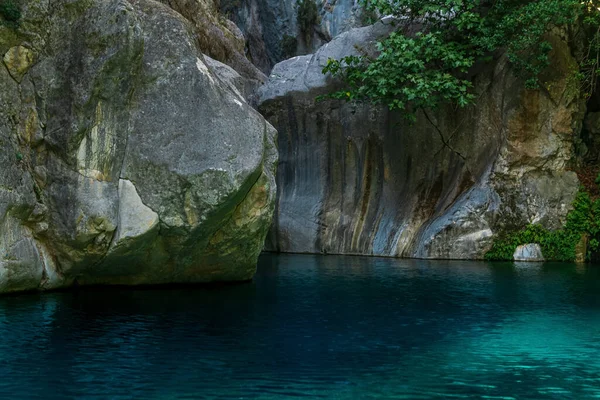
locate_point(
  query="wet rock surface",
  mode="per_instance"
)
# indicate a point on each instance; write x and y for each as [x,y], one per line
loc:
[357,179]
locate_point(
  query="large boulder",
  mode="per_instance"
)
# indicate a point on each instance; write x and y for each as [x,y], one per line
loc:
[125,159]
[357,179]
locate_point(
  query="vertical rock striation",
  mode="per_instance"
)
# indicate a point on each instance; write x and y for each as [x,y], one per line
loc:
[357,179]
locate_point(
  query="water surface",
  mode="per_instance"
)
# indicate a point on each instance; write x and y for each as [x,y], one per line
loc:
[317,327]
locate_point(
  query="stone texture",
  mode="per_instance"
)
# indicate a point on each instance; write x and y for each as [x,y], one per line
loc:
[245,88]
[531,252]
[357,179]
[216,36]
[265,23]
[135,218]
[581,250]
[126,159]
[18,60]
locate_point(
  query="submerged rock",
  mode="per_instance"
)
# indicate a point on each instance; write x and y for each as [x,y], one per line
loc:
[124,158]
[357,179]
[531,252]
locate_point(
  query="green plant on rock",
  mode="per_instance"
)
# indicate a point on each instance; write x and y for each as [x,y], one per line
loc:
[560,245]
[308,17]
[10,12]
[289,46]
[420,69]
[368,17]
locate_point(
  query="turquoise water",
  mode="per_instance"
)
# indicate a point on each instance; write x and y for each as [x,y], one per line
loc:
[316,327]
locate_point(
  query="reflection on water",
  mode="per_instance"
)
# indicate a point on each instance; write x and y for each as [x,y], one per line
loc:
[317,327]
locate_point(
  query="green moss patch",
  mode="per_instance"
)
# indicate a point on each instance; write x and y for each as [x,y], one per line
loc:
[10,12]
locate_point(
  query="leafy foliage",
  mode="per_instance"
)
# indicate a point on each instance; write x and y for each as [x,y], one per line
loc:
[308,17]
[403,77]
[10,12]
[367,17]
[423,69]
[561,244]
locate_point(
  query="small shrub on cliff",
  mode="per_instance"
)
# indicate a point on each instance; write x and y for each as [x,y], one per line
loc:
[289,46]
[10,12]
[431,66]
[561,244]
[368,17]
[308,17]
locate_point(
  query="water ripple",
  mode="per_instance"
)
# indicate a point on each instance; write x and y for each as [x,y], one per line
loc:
[316,327]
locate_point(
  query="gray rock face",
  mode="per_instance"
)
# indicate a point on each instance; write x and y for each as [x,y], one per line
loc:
[265,24]
[216,36]
[135,218]
[243,87]
[126,159]
[357,179]
[531,252]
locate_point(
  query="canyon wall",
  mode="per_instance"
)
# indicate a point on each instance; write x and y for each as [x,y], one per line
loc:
[357,179]
[130,155]
[273,33]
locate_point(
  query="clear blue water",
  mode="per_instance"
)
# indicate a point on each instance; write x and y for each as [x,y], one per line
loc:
[316,327]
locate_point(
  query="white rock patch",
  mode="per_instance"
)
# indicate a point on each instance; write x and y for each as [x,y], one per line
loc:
[528,252]
[135,218]
[204,69]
